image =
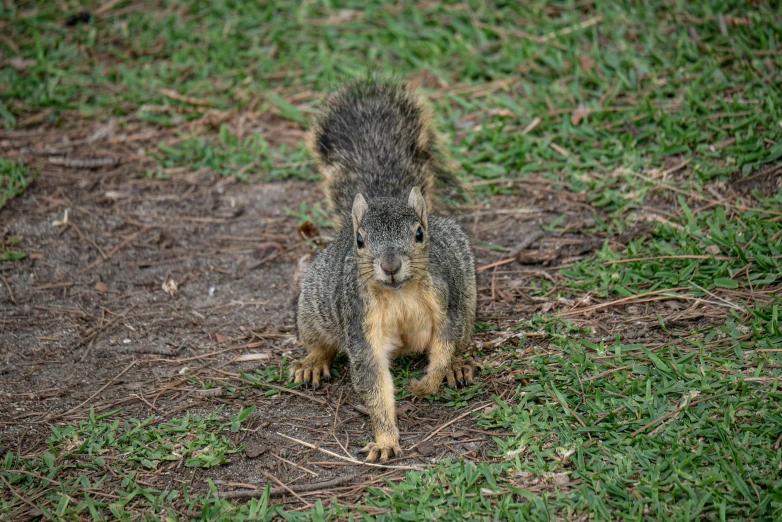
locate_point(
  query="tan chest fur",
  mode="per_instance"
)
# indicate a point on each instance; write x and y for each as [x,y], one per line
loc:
[401,321]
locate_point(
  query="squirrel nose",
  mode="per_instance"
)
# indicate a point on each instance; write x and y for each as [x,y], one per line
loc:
[391,265]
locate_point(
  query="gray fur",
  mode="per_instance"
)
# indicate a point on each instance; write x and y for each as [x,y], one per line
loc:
[368,139]
[333,293]
[375,138]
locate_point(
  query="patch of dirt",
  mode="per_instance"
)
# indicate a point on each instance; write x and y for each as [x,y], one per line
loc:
[766,181]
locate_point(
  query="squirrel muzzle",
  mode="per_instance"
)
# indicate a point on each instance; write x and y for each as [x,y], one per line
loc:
[392,269]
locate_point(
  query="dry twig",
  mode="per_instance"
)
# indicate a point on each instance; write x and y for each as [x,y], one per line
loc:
[300,488]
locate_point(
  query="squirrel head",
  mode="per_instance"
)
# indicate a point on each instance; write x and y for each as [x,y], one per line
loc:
[391,240]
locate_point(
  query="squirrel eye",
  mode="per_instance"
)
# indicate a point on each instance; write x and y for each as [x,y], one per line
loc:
[360,241]
[419,235]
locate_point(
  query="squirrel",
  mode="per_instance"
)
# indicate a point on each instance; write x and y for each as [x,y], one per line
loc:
[396,279]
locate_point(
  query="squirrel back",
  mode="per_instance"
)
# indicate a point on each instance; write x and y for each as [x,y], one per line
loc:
[376,138]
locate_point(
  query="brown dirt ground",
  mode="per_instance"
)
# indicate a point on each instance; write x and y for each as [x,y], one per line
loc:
[85,322]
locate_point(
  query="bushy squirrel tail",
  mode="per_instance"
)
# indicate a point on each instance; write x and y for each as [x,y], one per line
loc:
[376,138]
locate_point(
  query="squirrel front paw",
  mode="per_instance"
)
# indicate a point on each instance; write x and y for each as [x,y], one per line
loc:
[311,370]
[460,373]
[384,451]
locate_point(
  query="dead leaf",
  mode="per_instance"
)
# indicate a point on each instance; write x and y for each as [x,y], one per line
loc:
[465,124]
[254,449]
[738,21]
[404,408]
[342,16]
[565,453]
[674,304]
[473,446]
[548,305]
[579,114]
[220,338]
[543,255]
[308,230]
[428,80]
[426,449]
[63,222]
[101,287]
[713,249]
[560,479]
[170,287]
[587,62]
[519,451]
[21,64]
[501,112]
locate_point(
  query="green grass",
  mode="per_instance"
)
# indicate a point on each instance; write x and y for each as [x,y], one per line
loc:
[651,89]
[705,252]
[680,433]
[685,429]
[7,251]
[14,178]
[315,214]
[228,155]
[71,479]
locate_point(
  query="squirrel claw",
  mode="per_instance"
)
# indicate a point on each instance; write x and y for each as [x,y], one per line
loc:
[310,374]
[381,451]
[461,373]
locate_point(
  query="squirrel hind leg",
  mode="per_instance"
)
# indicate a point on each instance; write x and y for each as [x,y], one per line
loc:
[315,367]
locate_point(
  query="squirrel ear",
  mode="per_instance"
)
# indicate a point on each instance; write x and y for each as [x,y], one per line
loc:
[417,202]
[359,209]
